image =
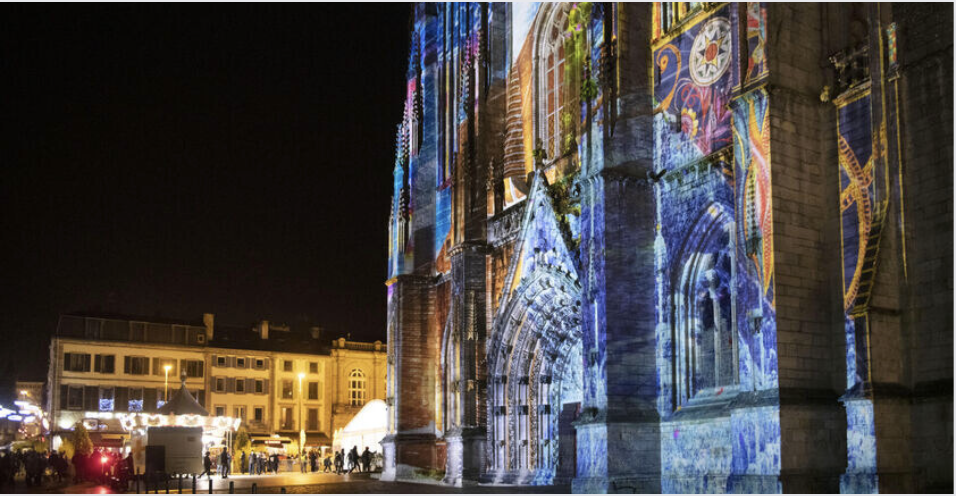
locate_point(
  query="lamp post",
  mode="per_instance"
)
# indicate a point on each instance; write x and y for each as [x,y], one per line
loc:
[301,419]
[166,394]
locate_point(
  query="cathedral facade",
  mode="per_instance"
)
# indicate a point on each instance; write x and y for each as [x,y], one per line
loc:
[674,247]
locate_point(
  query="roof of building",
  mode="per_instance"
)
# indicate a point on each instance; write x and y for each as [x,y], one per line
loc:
[182,403]
[248,338]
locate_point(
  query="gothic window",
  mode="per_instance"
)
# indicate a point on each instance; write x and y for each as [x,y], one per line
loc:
[706,344]
[357,388]
[668,15]
[553,92]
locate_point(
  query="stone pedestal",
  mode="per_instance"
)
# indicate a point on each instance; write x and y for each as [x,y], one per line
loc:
[466,456]
[409,456]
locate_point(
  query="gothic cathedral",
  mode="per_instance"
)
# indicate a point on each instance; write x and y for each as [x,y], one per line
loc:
[674,247]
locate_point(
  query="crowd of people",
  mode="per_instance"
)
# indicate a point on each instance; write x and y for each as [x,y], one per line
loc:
[362,462]
[100,466]
[104,466]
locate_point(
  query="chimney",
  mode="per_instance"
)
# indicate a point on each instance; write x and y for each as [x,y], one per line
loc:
[315,331]
[264,329]
[207,320]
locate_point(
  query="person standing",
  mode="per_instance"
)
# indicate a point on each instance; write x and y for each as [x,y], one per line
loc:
[366,460]
[242,463]
[224,463]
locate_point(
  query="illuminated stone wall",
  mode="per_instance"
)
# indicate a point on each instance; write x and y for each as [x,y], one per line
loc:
[671,234]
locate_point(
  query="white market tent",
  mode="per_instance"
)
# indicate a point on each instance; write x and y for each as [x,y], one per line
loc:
[367,428]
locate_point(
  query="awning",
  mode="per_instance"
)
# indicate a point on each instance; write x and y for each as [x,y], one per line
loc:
[270,441]
[101,440]
[317,440]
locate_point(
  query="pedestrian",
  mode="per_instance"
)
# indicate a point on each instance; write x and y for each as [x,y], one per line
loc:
[252,464]
[338,462]
[353,459]
[206,465]
[261,464]
[328,464]
[366,460]
[224,463]
[242,463]
[313,467]
[302,460]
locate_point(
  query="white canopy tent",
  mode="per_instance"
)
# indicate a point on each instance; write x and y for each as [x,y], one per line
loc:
[367,428]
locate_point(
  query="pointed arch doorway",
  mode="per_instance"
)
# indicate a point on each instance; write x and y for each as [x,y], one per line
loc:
[536,381]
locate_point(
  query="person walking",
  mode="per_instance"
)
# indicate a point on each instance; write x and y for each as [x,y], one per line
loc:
[242,463]
[207,466]
[252,464]
[328,464]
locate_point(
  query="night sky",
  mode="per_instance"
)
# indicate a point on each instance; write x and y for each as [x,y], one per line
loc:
[174,160]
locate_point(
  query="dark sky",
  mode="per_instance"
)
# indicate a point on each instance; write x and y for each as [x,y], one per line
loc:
[174,160]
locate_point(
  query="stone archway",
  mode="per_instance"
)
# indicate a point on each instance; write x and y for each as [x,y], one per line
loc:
[535,380]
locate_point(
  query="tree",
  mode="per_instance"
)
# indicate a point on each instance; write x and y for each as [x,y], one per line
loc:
[292,449]
[241,444]
[80,439]
[66,448]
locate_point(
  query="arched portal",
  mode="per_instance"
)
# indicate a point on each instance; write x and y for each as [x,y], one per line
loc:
[535,371]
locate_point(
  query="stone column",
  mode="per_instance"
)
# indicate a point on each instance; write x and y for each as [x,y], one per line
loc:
[413,402]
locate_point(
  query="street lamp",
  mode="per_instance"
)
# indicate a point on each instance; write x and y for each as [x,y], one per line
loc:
[166,394]
[301,419]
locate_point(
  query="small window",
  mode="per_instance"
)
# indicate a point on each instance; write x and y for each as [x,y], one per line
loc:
[313,368]
[313,390]
[258,413]
[240,385]
[239,412]
[259,386]
[220,384]
[241,362]
[286,418]
[76,362]
[287,390]
[104,364]
[313,419]
[194,368]
[106,399]
[220,361]
[135,399]
[136,365]
[75,398]
[220,411]
[287,365]
[260,363]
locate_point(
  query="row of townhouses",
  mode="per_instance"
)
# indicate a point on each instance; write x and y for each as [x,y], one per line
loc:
[271,380]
